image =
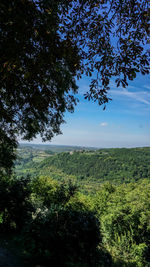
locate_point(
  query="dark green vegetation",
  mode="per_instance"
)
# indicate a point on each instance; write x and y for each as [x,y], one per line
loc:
[50,222]
[31,157]
[104,165]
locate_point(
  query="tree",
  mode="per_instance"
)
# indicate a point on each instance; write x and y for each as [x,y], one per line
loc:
[7,153]
[45,44]
[37,70]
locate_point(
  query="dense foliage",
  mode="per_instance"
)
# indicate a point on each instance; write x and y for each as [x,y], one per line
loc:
[55,224]
[61,223]
[37,69]
[124,216]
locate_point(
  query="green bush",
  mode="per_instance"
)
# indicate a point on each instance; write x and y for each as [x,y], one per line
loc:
[63,237]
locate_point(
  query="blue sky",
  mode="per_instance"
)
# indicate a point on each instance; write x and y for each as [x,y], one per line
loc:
[124,123]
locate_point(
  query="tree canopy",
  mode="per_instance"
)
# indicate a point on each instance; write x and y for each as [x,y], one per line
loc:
[45,44]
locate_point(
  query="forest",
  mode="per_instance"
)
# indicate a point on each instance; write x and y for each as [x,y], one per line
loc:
[56,215]
[88,167]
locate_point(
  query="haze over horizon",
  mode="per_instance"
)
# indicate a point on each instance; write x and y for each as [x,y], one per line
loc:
[124,123]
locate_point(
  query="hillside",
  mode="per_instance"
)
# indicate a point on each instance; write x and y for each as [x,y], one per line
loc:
[117,165]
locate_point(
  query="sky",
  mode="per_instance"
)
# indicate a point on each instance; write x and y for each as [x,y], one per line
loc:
[124,123]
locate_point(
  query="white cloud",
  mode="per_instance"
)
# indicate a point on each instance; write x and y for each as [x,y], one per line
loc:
[103,124]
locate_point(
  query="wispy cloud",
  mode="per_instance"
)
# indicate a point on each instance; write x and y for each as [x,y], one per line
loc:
[103,124]
[141,96]
[147,86]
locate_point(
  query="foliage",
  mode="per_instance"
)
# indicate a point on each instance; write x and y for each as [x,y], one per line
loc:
[123,210]
[50,191]
[124,219]
[50,229]
[37,68]
[111,36]
[7,153]
[64,237]
[57,224]
[15,205]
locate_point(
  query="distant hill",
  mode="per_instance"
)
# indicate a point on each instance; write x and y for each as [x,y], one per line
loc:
[55,148]
[116,164]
